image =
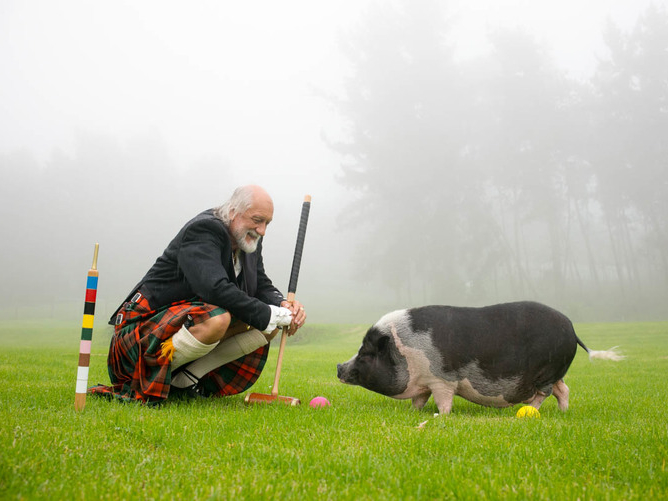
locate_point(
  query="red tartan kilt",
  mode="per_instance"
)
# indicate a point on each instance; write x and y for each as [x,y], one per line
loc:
[138,371]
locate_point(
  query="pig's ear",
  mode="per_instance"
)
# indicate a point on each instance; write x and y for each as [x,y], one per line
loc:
[383,343]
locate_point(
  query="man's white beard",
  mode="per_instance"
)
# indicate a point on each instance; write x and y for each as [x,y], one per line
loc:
[244,245]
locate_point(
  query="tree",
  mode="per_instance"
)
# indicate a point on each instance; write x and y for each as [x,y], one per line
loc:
[501,177]
[630,153]
[529,143]
[405,107]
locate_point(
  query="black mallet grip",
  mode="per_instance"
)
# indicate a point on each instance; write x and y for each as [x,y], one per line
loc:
[297,260]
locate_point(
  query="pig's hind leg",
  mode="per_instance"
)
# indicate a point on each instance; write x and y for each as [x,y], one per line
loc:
[537,399]
[558,389]
[561,392]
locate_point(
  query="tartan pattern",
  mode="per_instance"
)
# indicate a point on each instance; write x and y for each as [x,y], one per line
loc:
[137,370]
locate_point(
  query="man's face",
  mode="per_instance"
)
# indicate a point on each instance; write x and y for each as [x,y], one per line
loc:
[248,227]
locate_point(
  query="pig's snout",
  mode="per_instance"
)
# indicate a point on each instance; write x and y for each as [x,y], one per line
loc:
[343,372]
[339,371]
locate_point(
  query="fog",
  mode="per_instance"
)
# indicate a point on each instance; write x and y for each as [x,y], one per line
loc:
[457,152]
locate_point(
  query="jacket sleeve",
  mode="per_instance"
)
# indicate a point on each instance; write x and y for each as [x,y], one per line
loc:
[200,259]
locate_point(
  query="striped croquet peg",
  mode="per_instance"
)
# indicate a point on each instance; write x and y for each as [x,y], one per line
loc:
[86,335]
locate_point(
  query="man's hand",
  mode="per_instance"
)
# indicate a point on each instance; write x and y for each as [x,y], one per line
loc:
[298,315]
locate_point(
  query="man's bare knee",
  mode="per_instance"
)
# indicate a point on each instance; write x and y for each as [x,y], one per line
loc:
[211,330]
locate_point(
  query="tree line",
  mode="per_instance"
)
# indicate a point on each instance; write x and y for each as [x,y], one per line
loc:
[503,177]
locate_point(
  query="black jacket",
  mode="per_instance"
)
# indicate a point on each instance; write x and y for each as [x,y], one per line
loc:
[197,263]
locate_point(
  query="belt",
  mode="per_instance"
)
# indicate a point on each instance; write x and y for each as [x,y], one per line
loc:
[134,299]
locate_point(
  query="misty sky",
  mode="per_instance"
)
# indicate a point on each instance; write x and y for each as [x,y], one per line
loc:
[236,81]
[228,79]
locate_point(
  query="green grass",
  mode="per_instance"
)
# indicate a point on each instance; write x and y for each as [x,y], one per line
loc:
[611,444]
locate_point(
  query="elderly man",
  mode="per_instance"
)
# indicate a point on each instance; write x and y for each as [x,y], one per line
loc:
[200,320]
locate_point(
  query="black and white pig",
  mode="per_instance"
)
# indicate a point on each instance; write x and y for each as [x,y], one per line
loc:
[496,356]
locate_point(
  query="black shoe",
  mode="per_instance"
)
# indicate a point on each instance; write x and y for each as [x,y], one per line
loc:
[190,391]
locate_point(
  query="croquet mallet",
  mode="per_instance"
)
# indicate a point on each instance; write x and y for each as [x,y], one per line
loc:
[260,398]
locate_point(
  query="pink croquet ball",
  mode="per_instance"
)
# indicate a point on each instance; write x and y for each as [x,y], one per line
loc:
[319,402]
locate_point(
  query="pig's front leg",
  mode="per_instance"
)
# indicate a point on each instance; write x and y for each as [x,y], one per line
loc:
[420,400]
[443,393]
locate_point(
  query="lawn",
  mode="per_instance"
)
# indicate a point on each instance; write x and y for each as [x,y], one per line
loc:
[611,444]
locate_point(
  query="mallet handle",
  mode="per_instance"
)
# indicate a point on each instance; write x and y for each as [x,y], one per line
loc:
[301,235]
[292,287]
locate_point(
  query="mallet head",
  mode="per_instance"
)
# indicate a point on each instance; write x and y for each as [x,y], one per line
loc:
[261,398]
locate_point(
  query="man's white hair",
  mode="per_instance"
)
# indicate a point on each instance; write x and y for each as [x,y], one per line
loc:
[240,201]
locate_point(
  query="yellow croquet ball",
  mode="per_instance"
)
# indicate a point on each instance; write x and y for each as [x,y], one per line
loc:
[528,411]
